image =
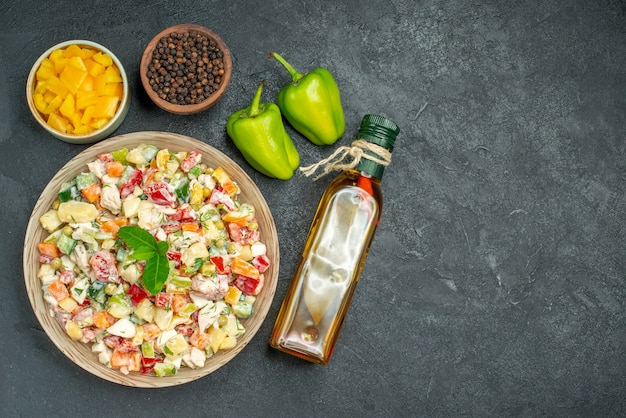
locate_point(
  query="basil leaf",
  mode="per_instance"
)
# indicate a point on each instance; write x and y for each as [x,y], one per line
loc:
[146,247]
[155,273]
[137,237]
[143,253]
[162,248]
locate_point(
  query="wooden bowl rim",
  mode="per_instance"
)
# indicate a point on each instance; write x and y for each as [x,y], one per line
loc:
[80,353]
[192,108]
[94,136]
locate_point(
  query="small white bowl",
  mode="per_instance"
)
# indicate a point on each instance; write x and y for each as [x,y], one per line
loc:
[94,136]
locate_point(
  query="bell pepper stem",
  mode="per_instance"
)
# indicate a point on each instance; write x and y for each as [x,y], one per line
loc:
[254,106]
[295,74]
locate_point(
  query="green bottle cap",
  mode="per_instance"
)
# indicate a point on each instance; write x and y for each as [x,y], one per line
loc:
[380,131]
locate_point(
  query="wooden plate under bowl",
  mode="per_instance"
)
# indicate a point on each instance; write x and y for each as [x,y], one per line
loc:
[81,353]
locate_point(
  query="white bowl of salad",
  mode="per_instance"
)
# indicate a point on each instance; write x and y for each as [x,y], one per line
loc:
[151,259]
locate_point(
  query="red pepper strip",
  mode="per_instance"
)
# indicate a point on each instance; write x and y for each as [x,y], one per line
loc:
[261,262]
[135,179]
[218,260]
[249,285]
[136,293]
[160,194]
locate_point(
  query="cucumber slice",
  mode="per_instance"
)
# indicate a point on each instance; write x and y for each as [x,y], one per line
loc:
[96,291]
[164,369]
[182,191]
[147,349]
[85,179]
[242,309]
[148,151]
[65,244]
[68,191]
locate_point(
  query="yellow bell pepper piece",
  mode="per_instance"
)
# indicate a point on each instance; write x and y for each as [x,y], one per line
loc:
[56,55]
[75,120]
[48,96]
[77,62]
[106,107]
[56,86]
[114,89]
[196,194]
[68,107]
[59,65]
[53,105]
[232,295]
[39,101]
[78,89]
[82,130]
[73,51]
[103,59]
[94,68]
[58,59]
[46,70]
[85,99]
[88,83]
[87,115]
[222,177]
[100,84]
[58,122]
[99,123]
[112,75]
[161,158]
[87,53]
[74,74]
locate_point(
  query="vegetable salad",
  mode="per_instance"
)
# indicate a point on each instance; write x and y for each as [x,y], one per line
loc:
[151,259]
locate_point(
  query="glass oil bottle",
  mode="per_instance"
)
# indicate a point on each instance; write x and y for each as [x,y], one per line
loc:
[339,239]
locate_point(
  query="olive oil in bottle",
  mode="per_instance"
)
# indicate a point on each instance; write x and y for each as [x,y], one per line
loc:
[340,235]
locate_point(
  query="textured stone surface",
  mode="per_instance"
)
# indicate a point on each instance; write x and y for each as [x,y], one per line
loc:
[495,285]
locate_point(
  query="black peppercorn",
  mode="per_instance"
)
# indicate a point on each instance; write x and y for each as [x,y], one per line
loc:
[186,68]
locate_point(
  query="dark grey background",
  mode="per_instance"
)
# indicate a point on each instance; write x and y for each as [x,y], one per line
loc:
[495,284]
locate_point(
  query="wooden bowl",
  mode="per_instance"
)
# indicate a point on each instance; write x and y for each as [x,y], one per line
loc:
[186,109]
[81,353]
[93,136]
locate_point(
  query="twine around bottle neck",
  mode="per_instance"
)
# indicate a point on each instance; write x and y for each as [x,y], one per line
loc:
[357,150]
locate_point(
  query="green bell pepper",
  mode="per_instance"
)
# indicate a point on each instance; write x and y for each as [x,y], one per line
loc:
[312,104]
[259,133]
